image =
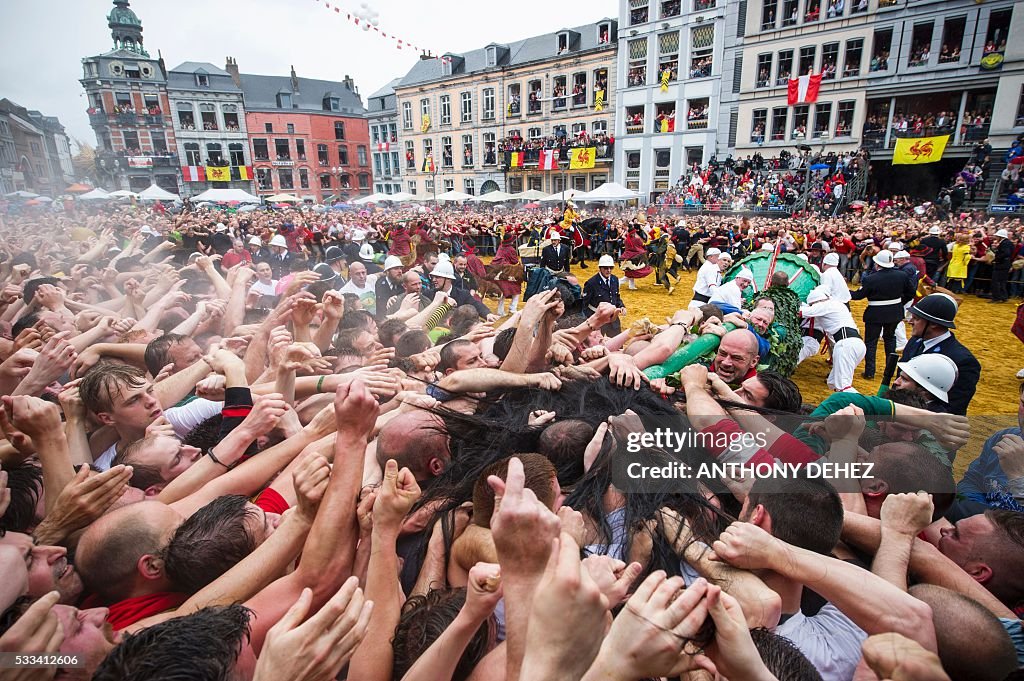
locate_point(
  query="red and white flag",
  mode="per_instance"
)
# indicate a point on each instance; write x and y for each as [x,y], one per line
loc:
[194,173]
[548,159]
[804,90]
[383,146]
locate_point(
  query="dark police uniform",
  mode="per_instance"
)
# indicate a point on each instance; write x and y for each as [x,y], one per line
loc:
[596,291]
[887,291]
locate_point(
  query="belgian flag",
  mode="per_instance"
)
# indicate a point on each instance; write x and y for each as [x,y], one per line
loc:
[428,164]
[515,159]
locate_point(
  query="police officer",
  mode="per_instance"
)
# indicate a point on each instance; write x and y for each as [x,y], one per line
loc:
[556,257]
[887,291]
[604,288]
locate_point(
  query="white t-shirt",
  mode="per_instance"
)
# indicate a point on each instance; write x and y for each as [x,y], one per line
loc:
[830,640]
[829,316]
[832,279]
[183,418]
[708,277]
[264,289]
[728,293]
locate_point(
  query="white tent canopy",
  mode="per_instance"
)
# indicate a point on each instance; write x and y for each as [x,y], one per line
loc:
[156,193]
[496,196]
[123,194]
[95,195]
[528,195]
[376,197]
[566,195]
[454,196]
[226,196]
[610,191]
[21,194]
[283,198]
[400,196]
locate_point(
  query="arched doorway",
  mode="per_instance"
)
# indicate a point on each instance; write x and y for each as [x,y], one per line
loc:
[488,187]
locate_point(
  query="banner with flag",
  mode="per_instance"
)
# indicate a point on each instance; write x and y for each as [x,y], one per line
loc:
[425,123]
[548,159]
[915,150]
[666,76]
[515,159]
[384,146]
[599,100]
[245,172]
[194,173]
[428,164]
[218,173]
[582,157]
[804,90]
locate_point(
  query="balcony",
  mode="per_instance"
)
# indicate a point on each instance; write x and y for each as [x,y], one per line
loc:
[154,119]
[97,117]
[125,118]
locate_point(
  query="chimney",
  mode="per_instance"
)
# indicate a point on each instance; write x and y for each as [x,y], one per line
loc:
[347,82]
[295,80]
[231,66]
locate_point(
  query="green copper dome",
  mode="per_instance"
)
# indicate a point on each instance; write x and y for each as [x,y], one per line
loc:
[126,28]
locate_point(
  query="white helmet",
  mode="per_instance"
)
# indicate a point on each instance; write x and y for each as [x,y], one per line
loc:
[831,259]
[443,269]
[606,261]
[934,372]
[713,251]
[392,261]
[279,240]
[366,252]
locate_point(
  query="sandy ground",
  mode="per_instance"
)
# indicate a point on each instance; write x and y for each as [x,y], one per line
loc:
[982,326]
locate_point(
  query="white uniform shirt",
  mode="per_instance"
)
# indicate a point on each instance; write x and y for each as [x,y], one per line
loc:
[708,278]
[829,316]
[728,293]
[829,640]
[832,280]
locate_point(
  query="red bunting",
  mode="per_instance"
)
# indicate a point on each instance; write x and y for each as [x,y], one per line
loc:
[400,44]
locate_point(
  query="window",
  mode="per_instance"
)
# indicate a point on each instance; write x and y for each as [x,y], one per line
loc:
[378,168]
[579,89]
[801,112]
[214,156]
[702,44]
[332,104]
[428,149]
[186,118]
[670,8]
[268,127]
[637,12]
[859,6]
[998,28]
[264,178]
[392,132]
[361,154]
[668,59]
[790,12]
[634,119]
[829,60]
[467,151]
[364,181]
[822,119]
[785,67]
[492,56]
[599,128]
[533,134]
[345,181]
[769,13]
[412,186]
[339,130]
[513,99]
[921,44]
[159,142]
[882,43]
[854,50]
[202,80]
[208,114]
[406,116]
[779,114]
[446,110]
[281,149]
[259,150]
[807,57]
[425,107]
[662,168]
[230,117]
[449,185]
[558,131]
[757,126]
[325,181]
[536,183]
[604,33]
[813,12]
[534,87]
[284,100]
[601,87]
[342,155]
[488,114]
[374,134]
[123,103]
[952,39]
[321,155]
[637,62]
[490,151]
[192,157]
[764,69]
[410,155]
[697,111]
[844,118]
[237,153]
[428,185]
[664,117]
[467,107]
[469,187]
[558,93]
[290,128]
[303,178]
[285,179]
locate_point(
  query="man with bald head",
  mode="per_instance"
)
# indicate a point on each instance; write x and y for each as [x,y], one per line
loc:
[737,357]
[417,441]
[119,560]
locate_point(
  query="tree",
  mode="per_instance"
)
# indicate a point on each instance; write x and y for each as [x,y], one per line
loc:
[84,162]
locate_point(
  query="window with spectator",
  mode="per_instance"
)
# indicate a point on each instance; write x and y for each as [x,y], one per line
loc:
[697,113]
[844,118]
[668,56]
[764,69]
[807,58]
[921,44]
[637,65]
[769,14]
[758,123]
[801,113]
[638,12]
[779,118]
[702,44]
[952,39]
[260,151]
[785,67]
[790,12]
[881,45]
[854,53]
[829,60]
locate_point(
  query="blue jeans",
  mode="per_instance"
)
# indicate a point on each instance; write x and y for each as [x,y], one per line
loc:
[972,269]
[1016,283]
